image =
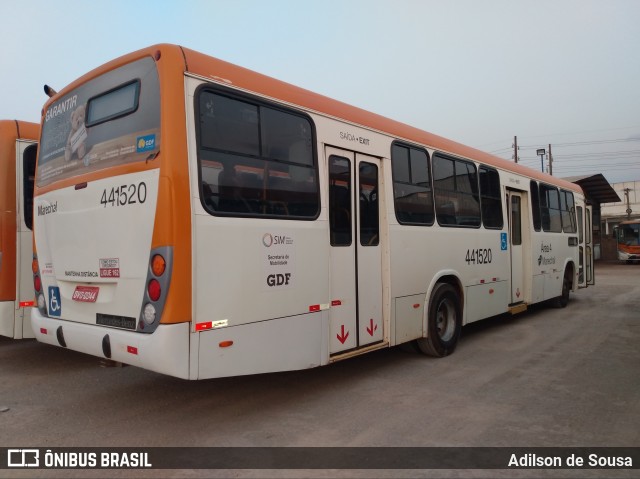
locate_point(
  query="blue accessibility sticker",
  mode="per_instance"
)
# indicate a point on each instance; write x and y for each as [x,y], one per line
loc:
[55,304]
[503,241]
[145,143]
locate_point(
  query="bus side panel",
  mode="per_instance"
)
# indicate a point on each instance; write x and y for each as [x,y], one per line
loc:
[25,293]
[7,229]
[7,318]
[24,255]
[284,344]
[247,271]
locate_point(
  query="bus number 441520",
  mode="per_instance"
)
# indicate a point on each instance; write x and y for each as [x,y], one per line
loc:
[124,195]
[478,256]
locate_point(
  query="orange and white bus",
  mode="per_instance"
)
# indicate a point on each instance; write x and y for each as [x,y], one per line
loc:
[18,150]
[201,220]
[627,235]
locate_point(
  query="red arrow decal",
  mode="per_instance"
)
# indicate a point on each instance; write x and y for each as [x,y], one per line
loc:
[518,292]
[342,337]
[372,328]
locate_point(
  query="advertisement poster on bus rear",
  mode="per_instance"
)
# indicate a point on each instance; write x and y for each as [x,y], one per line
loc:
[110,120]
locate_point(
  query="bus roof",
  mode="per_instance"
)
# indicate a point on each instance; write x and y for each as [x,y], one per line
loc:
[225,73]
[16,129]
[12,130]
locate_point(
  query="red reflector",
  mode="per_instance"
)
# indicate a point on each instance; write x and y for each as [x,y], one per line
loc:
[37,283]
[416,306]
[27,304]
[336,302]
[203,326]
[43,331]
[153,288]
[225,344]
[132,350]
[314,308]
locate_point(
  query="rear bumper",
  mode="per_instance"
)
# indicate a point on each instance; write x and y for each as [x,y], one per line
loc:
[164,351]
[623,256]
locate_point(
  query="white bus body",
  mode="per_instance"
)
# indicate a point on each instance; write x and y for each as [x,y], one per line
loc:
[281,284]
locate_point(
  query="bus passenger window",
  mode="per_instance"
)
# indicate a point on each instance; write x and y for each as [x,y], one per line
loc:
[490,198]
[265,157]
[550,213]
[456,187]
[567,207]
[413,198]
[535,205]
[28,178]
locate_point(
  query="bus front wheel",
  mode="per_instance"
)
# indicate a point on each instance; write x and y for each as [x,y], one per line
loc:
[444,322]
[562,300]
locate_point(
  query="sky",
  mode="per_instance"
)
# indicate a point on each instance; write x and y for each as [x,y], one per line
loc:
[564,73]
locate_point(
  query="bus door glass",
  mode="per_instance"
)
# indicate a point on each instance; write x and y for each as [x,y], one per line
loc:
[581,279]
[356,261]
[589,246]
[517,255]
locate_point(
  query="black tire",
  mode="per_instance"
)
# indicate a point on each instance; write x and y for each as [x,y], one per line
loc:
[444,322]
[562,300]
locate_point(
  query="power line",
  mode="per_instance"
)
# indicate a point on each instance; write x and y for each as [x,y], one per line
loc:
[585,143]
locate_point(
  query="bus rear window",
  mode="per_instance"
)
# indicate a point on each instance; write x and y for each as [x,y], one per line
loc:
[113,104]
[110,120]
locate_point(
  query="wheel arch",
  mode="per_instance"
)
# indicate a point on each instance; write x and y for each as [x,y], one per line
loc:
[450,277]
[570,268]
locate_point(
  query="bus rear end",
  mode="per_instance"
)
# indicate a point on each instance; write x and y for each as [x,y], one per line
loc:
[104,251]
[18,146]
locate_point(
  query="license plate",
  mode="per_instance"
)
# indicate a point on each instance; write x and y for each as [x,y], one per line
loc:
[86,294]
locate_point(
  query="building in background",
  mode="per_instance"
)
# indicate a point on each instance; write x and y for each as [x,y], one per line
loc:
[627,208]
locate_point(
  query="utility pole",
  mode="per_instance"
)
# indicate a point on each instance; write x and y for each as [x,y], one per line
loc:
[515,148]
[550,161]
[626,194]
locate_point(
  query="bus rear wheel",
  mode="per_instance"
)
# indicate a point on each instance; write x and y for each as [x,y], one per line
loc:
[444,322]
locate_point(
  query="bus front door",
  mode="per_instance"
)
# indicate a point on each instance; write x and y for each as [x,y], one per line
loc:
[356,257]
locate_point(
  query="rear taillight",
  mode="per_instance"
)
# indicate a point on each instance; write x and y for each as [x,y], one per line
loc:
[158,265]
[158,277]
[154,290]
[37,286]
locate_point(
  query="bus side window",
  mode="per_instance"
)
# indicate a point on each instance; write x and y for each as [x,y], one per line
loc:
[456,181]
[490,198]
[535,205]
[267,157]
[412,195]
[28,179]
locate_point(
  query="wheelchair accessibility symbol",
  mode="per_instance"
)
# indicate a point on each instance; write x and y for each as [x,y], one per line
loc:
[503,241]
[55,305]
